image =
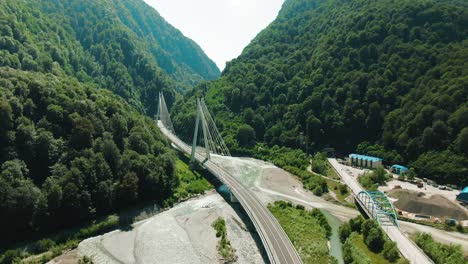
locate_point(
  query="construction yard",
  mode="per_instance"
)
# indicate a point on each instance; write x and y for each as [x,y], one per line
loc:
[419,205]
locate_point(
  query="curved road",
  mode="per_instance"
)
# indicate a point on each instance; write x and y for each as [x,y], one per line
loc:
[277,244]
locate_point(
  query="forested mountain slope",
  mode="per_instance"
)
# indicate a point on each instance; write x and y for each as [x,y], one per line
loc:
[122,45]
[70,152]
[336,73]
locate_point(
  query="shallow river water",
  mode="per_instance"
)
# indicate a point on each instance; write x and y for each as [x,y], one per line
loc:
[335,242]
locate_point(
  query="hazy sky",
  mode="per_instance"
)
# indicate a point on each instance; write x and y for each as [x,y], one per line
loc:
[221,27]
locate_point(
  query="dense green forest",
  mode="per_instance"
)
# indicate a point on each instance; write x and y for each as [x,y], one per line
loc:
[386,78]
[71,152]
[125,46]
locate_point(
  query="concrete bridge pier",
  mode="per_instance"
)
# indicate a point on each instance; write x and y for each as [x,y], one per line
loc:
[233,198]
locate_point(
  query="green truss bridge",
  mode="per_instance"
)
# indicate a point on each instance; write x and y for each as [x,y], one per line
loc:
[378,207]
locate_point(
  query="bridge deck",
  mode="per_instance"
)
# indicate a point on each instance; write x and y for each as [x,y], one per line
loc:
[277,244]
[407,247]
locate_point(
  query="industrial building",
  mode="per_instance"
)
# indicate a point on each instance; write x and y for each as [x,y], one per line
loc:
[463,196]
[398,169]
[365,161]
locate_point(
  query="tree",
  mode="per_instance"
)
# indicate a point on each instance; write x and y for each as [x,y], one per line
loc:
[356,223]
[18,198]
[55,114]
[245,135]
[258,124]
[104,197]
[236,100]
[128,188]
[5,117]
[390,251]
[138,140]
[374,239]
[119,129]
[379,175]
[343,189]
[82,132]
[53,192]
[112,155]
[43,144]
[461,143]
[367,225]
[319,163]
[344,231]
[411,174]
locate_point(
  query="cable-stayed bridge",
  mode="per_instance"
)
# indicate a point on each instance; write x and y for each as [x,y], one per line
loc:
[275,241]
[207,142]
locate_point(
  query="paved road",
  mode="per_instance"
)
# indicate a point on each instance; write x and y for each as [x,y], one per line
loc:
[277,244]
[407,247]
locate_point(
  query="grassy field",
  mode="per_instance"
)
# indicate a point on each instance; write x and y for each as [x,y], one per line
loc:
[334,187]
[307,233]
[331,173]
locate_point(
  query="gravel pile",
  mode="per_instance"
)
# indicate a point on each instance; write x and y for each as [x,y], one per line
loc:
[436,205]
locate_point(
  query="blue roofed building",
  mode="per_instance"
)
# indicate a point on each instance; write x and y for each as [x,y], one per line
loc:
[463,196]
[398,169]
[365,161]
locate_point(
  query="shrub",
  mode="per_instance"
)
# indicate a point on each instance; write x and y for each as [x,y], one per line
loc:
[390,251]
[85,260]
[319,164]
[343,189]
[356,223]
[11,256]
[300,207]
[220,227]
[344,231]
[438,252]
[44,245]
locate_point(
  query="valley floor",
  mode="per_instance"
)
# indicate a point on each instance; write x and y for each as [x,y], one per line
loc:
[184,234]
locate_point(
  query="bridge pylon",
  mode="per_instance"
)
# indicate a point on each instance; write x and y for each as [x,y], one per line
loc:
[200,118]
[213,142]
[162,113]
